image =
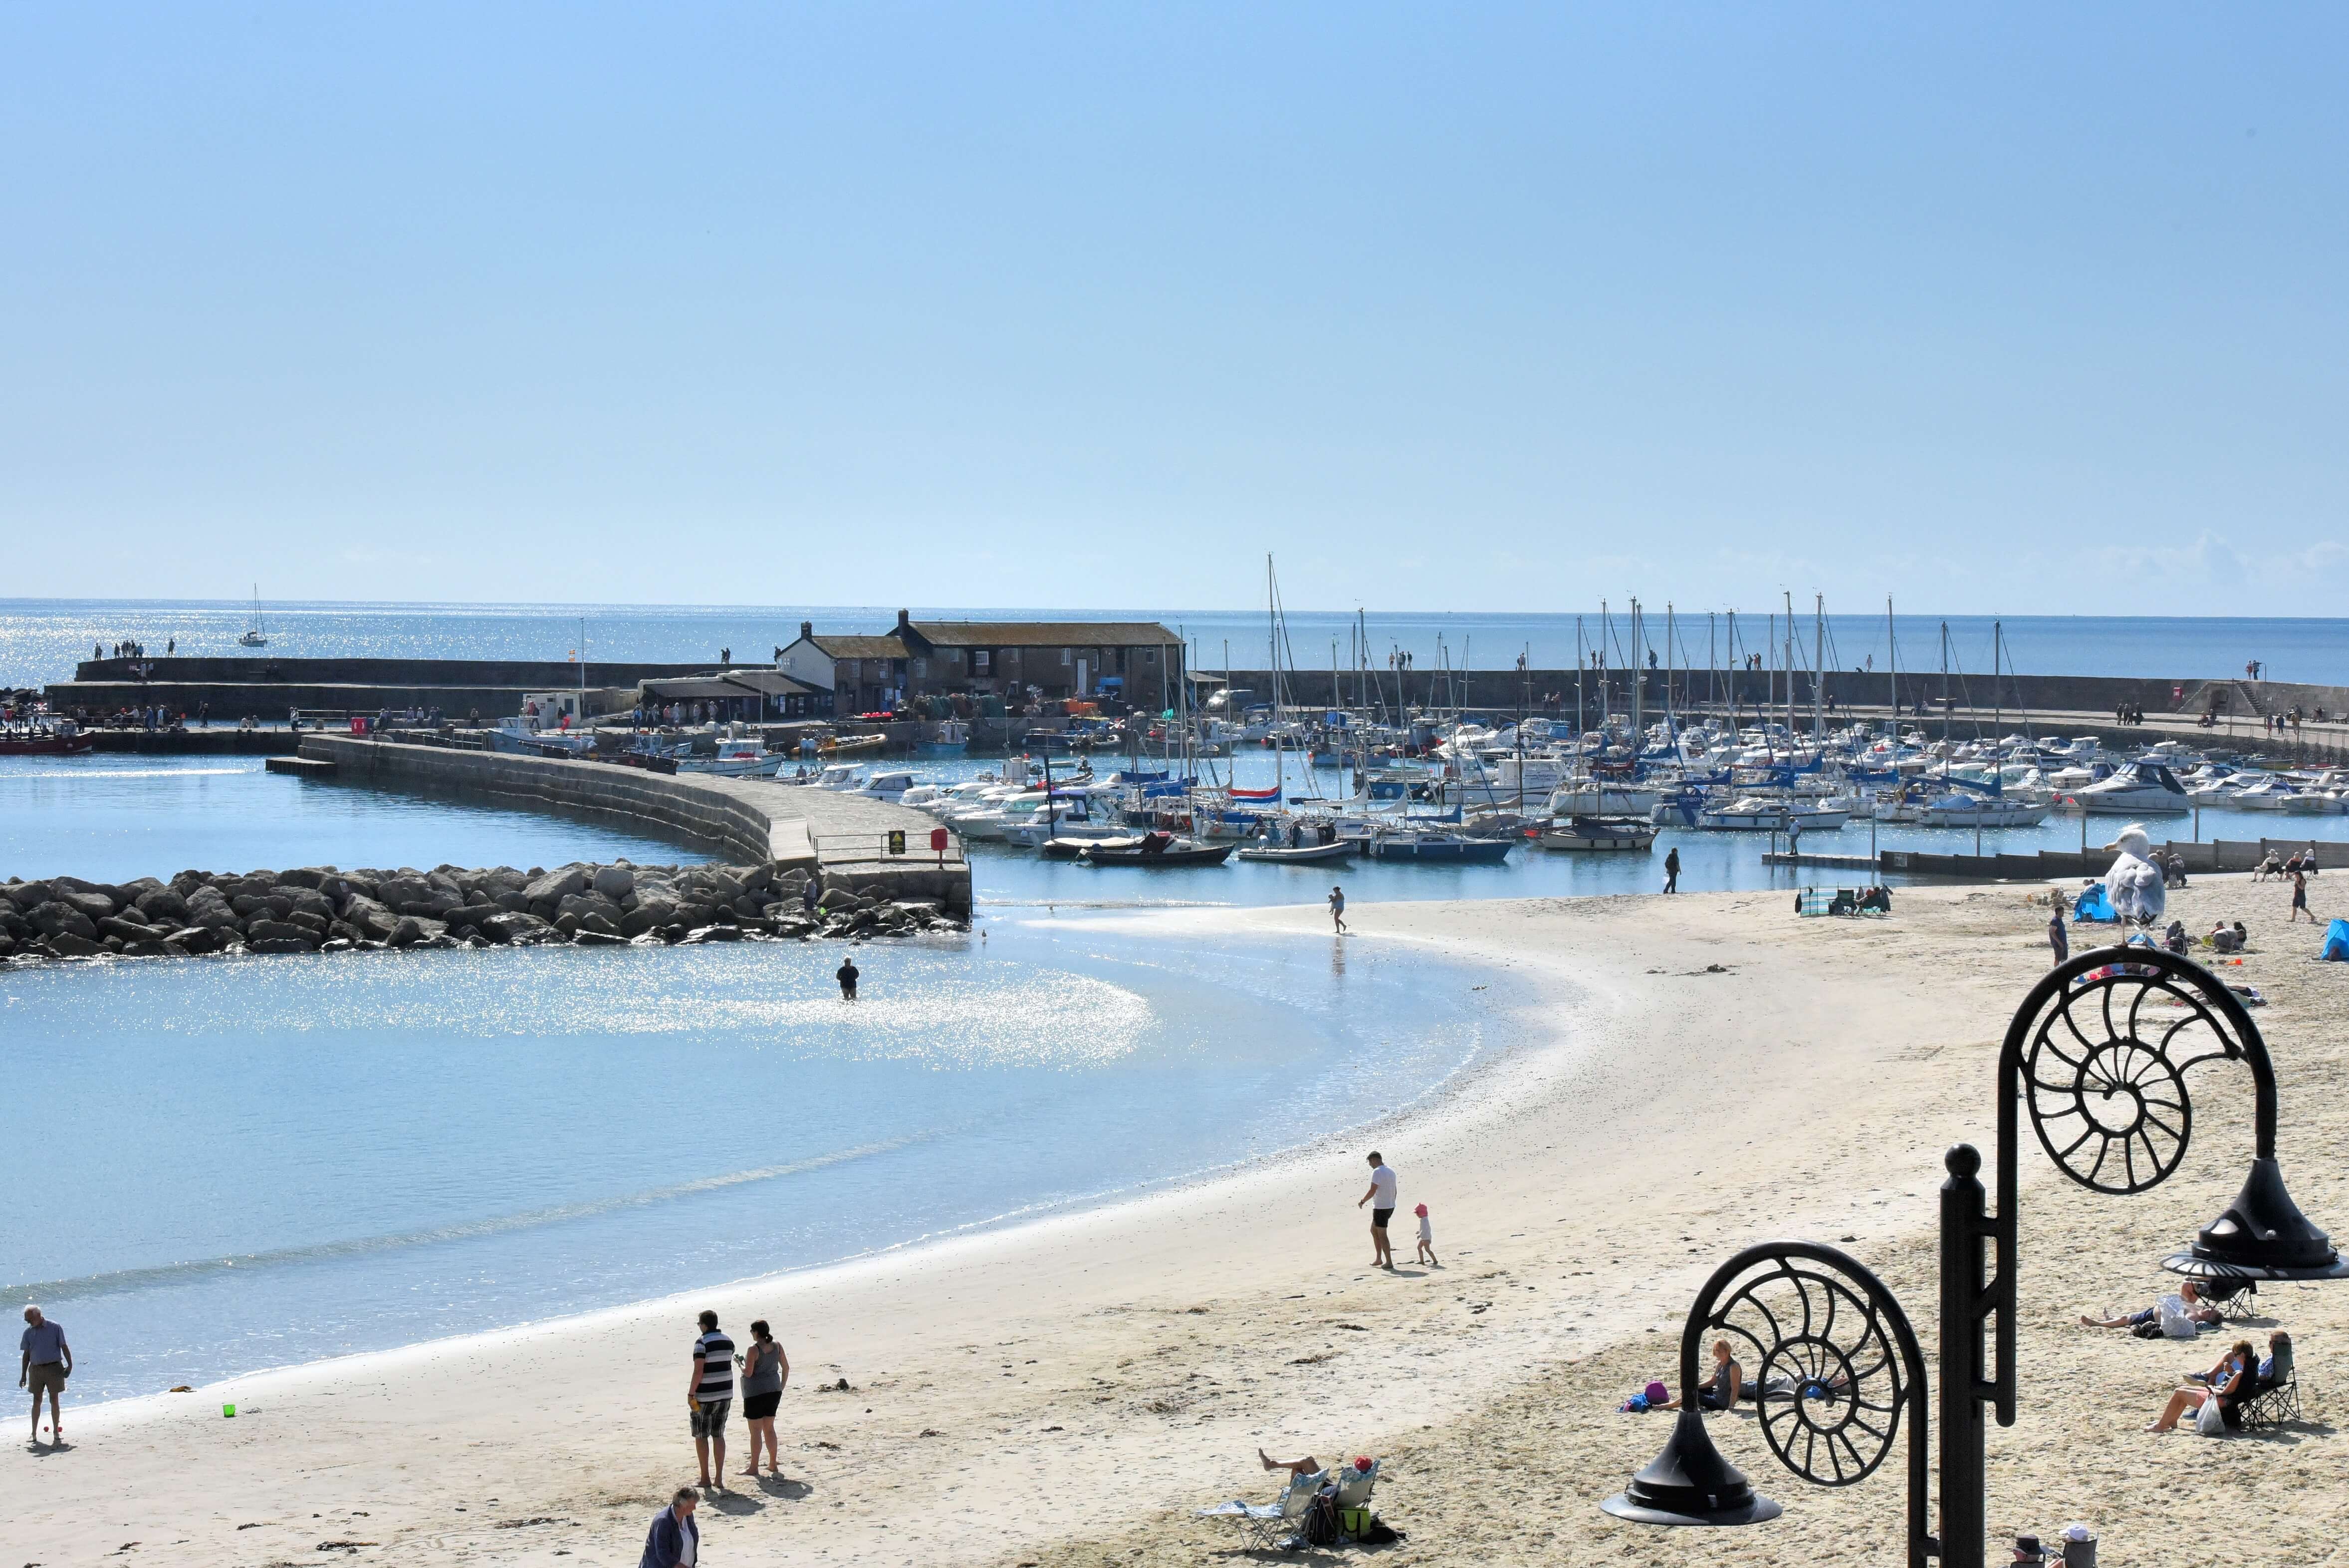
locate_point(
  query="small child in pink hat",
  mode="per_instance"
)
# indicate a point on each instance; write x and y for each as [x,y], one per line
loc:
[1426,1237]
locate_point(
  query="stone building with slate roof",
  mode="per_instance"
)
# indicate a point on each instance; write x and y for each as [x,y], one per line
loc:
[1140,662]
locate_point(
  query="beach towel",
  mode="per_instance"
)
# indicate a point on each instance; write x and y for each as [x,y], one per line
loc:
[2336,941]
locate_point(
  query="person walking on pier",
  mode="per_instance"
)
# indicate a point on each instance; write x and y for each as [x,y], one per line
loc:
[1673,870]
[846,975]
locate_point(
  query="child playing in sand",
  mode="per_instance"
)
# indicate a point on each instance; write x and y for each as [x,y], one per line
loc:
[1426,1237]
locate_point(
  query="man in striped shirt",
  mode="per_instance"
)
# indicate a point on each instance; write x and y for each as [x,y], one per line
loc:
[711,1395]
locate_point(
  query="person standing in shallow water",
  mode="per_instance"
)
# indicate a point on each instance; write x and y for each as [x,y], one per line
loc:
[1338,908]
[846,975]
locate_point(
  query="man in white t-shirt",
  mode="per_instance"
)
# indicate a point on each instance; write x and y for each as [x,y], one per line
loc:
[2182,1315]
[1382,1200]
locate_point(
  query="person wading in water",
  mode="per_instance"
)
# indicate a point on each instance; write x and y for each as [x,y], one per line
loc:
[846,975]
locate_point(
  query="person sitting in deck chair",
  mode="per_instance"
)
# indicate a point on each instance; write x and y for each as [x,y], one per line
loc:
[2182,1315]
[2228,1382]
[2271,867]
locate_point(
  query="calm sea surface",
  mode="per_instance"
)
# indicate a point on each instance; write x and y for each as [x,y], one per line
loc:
[40,639]
[258,1161]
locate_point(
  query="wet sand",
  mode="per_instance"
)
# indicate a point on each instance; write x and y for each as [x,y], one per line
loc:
[1695,1074]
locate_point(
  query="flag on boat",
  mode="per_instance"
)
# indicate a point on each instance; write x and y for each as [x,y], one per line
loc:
[1260,797]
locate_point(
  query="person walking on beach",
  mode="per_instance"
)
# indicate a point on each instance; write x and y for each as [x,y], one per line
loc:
[765,1370]
[673,1539]
[711,1395]
[1426,1253]
[2058,939]
[1338,908]
[2299,898]
[1673,870]
[1382,1200]
[846,974]
[46,1362]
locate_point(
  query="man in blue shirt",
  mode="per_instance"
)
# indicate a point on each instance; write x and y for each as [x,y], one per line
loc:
[47,1363]
[674,1541]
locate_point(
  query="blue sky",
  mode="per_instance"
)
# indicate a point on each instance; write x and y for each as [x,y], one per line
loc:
[1998,309]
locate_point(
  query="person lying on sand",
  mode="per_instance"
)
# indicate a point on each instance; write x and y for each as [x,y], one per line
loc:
[2186,1304]
[2229,1382]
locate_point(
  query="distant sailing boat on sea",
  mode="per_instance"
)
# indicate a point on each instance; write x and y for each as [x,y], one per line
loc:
[255,637]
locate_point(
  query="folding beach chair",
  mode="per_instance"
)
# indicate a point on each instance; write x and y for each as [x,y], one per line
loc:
[2276,1398]
[2232,1297]
[1266,1525]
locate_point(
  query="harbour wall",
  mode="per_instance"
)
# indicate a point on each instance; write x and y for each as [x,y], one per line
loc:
[752,820]
[1553,691]
[2206,857]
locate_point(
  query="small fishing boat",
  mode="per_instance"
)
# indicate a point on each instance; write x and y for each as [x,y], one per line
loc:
[61,739]
[1423,844]
[851,745]
[1303,855]
[952,739]
[1156,850]
[1597,833]
[736,758]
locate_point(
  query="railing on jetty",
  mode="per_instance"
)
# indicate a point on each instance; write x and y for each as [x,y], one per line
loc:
[850,848]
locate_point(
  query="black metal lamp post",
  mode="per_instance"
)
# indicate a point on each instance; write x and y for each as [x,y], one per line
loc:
[2099,1053]
[1833,1363]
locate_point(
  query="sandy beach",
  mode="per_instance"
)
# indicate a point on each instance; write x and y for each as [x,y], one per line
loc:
[1689,1075]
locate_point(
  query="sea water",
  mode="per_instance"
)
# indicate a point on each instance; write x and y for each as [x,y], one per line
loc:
[246,1163]
[41,639]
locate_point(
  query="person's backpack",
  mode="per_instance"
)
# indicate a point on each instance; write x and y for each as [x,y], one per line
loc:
[1321,1527]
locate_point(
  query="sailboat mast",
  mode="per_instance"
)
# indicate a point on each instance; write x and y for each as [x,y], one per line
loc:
[1945,685]
[1819,668]
[1579,660]
[1997,698]
[1638,684]
[1671,728]
[1892,665]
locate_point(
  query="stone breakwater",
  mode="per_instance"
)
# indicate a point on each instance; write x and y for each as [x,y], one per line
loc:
[317,909]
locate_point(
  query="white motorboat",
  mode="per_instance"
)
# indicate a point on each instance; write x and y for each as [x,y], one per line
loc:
[2135,789]
[1599,797]
[1960,809]
[838,776]
[1597,833]
[736,758]
[1756,813]
[888,784]
[2273,794]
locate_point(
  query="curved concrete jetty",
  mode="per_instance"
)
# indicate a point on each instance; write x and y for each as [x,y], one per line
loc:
[754,820]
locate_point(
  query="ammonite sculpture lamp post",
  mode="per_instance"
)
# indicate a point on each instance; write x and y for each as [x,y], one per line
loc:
[2098,1054]
[1832,1362]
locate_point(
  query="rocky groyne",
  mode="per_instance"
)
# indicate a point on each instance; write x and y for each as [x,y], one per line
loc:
[315,909]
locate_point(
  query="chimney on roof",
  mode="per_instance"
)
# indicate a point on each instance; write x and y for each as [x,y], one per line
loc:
[807,629]
[904,623]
